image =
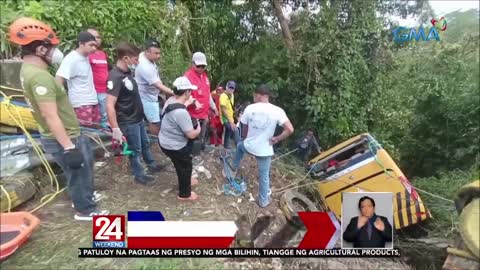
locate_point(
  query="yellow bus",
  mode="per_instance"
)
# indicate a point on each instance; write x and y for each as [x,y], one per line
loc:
[360,164]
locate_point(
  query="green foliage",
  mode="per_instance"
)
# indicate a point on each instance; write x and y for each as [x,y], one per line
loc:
[118,20]
[462,23]
[445,185]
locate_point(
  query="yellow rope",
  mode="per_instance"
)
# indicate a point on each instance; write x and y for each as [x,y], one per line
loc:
[19,121]
[97,140]
[10,88]
[8,198]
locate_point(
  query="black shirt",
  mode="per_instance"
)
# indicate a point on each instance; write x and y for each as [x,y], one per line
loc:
[129,107]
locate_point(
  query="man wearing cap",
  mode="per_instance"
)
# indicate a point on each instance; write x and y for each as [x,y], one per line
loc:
[260,120]
[75,69]
[125,113]
[228,120]
[150,85]
[198,76]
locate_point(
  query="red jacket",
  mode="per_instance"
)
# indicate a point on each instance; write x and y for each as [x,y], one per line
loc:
[202,94]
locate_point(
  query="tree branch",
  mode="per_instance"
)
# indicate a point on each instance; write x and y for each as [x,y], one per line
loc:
[287,35]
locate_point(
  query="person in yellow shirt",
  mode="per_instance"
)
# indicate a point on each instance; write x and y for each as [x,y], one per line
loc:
[228,117]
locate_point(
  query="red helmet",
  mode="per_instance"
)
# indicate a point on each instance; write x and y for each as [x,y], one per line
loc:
[25,30]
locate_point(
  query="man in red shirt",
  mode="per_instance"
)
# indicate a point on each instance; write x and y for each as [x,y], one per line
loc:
[198,76]
[98,62]
[216,126]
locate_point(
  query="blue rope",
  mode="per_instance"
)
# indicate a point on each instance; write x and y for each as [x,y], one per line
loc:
[235,186]
[11,137]
[18,103]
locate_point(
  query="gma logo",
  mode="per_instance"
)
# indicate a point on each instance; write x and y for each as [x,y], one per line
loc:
[402,34]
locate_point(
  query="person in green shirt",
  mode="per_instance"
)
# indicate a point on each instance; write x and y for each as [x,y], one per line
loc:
[56,118]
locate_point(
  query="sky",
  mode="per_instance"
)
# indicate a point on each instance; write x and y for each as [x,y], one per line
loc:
[444,7]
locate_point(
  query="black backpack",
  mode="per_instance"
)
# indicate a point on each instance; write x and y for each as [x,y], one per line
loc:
[195,143]
[174,106]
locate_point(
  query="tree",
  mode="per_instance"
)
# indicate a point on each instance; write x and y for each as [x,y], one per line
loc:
[287,35]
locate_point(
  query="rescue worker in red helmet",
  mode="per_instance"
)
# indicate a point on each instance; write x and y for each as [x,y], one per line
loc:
[58,125]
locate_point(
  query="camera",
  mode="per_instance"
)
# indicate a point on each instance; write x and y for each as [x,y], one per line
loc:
[194,123]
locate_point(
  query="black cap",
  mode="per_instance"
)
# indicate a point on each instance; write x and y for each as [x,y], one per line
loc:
[151,43]
[263,90]
[84,37]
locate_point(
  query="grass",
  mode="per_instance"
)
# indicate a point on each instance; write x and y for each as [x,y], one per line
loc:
[445,185]
[444,224]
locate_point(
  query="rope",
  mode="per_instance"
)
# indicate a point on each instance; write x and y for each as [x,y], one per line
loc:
[283,189]
[286,154]
[92,135]
[433,195]
[287,188]
[10,88]
[8,198]
[105,132]
[377,145]
[428,193]
[19,121]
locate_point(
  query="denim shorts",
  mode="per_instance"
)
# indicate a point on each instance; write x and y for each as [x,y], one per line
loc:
[151,109]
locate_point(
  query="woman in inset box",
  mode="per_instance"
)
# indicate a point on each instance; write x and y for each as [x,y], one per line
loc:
[368,230]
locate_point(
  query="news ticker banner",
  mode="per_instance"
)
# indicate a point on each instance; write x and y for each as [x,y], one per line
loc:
[234,252]
[148,229]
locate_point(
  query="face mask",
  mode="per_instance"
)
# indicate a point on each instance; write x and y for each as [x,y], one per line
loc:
[132,67]
[57,56]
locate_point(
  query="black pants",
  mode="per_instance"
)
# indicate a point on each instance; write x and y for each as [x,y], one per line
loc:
[79,181]
[202,137]
[182,160]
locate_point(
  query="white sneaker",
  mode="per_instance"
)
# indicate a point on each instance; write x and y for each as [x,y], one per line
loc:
[96,197]
[89,216]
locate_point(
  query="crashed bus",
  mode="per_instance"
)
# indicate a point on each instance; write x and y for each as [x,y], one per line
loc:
[360,164]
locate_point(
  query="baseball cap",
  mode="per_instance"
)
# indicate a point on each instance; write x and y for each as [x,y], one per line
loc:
[182,83]
[85,36]
[199,59]
[231,85]
[152,43]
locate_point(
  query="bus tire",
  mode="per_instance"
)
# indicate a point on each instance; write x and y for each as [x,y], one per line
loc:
[288,205]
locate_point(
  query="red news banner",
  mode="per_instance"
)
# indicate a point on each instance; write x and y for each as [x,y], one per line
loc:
[149,235]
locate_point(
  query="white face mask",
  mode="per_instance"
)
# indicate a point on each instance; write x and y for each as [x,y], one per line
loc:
[57,56]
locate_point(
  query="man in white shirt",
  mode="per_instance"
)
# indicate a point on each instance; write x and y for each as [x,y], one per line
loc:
[75,69]
[150,84]
[260,120]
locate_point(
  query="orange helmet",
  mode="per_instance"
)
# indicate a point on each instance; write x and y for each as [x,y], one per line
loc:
[24,30]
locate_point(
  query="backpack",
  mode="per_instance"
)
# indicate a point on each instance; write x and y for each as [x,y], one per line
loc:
[196,143]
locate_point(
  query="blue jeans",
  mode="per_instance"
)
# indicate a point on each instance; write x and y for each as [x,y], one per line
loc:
[79,181]
[263,173]
[229,134]
[102,105]
[138,142]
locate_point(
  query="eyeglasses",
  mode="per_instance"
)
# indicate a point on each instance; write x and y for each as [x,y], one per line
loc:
[200,66]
